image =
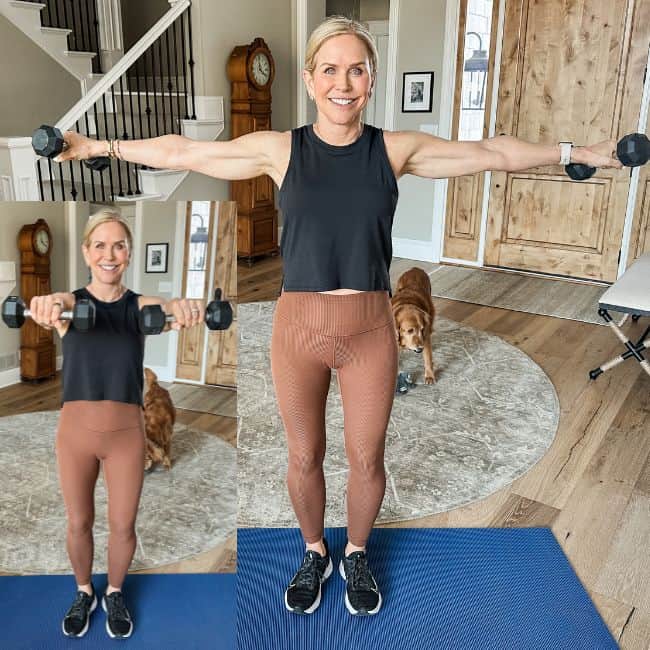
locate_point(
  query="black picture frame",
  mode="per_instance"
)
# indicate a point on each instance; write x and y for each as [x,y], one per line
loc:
[417,92]
[157,258]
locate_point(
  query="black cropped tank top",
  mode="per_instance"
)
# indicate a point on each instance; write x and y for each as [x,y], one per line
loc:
[106,362]
[338,204]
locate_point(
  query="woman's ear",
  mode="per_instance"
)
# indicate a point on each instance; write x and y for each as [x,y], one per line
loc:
[84,251]
[309,83]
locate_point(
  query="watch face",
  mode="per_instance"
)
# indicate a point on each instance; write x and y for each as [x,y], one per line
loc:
[42,242]
[261,69]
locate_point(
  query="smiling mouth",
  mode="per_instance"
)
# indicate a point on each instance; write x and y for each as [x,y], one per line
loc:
[341,101]
[108,267]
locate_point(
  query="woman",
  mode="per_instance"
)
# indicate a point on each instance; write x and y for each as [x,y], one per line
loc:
[338,192]
[101,418]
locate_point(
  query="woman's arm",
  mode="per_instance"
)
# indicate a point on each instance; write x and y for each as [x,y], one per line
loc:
[187,312]
[431,157]
[46,310]
[248,156]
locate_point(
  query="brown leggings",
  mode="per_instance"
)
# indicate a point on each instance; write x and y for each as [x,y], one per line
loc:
[314,333]
[111,433]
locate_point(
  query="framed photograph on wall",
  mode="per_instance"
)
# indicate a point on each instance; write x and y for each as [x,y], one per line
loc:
[157,258]
[417,92]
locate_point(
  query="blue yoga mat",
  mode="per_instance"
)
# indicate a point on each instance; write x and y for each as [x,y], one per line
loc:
[460,589]
[170,612]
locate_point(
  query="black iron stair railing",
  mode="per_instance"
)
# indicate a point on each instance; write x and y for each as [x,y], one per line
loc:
[148,99]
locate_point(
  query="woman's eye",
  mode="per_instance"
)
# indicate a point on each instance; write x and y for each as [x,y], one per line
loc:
[328,70]
[357,71]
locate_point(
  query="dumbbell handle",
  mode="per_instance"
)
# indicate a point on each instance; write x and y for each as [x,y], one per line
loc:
[65,315]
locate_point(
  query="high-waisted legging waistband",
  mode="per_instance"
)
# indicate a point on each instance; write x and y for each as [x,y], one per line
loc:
[333,314]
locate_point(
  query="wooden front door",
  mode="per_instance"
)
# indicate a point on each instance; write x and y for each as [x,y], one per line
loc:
[204,356]
[221,365]
[197,261]
[570,70]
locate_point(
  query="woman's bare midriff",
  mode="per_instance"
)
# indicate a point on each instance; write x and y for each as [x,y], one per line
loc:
[342,292]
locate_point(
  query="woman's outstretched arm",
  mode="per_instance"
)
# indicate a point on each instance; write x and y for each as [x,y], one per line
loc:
[431,157]
[248,156]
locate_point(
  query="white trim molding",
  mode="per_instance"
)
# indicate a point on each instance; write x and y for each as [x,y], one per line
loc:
[634,179]
[18,170]
[391,64]
[413,249]
[301,43]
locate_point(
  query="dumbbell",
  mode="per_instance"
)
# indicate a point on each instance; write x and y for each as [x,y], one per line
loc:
[14,313]
[48,141]
[633,150]
[218,316]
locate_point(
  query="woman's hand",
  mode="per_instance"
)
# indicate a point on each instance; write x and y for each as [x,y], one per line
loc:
[46,310]
[187,312]
[599,155]
[79,147]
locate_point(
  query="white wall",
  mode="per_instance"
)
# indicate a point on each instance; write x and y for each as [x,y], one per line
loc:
[13,216]
[34,88]
[421,47]
[158,226]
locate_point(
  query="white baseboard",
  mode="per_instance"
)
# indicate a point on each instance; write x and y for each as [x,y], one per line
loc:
[9,377]
[413,249]
[162,372]
[12,375]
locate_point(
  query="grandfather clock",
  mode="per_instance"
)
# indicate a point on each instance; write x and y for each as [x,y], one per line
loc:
[251,71]
[37,351]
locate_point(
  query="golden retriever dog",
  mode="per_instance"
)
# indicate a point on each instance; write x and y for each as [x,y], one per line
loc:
[414,312]
[159,418]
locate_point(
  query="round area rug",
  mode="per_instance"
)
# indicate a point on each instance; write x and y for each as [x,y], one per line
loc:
[184,511]
[490,417]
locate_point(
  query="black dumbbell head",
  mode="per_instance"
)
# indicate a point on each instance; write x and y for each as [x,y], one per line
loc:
[13,312]
[579,172]
[633,150]
[152,319]
[218,315]
[83,315]
[98,164]
[47,141]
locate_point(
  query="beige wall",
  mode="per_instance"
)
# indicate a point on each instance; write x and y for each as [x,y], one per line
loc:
[158,225]
[35,89]
[421,47]
[13,216]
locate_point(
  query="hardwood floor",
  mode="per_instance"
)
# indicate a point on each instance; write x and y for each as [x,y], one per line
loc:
[45,396]
[593,486]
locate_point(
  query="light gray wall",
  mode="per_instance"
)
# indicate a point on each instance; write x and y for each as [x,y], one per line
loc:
[421,47]
[34,88]
[158,225]
[13,216]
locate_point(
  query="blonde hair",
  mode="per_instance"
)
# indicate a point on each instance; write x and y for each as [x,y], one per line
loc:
[335,26]
[106,216]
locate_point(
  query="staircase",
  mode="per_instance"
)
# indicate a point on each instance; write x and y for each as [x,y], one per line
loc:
[68,30]
[149,92]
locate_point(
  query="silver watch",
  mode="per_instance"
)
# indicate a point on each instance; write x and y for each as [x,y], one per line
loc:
[565,152]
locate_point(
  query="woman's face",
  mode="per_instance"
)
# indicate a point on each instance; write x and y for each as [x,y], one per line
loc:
[341,81]
[108,253]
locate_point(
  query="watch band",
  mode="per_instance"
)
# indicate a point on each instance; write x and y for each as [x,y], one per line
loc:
[565,152]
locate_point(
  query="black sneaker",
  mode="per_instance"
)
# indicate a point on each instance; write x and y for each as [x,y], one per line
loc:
[77,618]
[118,620]
[303,593]
[362,595]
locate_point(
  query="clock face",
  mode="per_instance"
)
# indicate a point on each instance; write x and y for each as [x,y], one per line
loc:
[42,242]
[261,69]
